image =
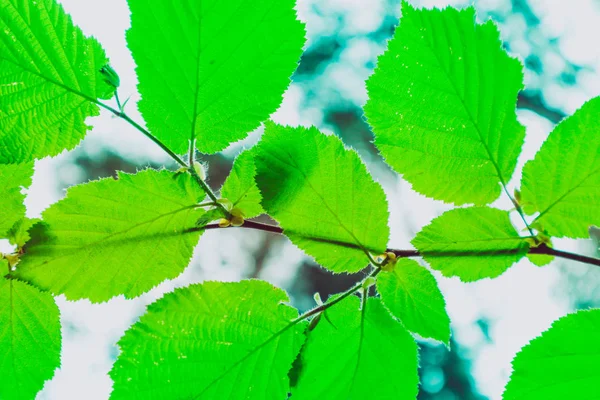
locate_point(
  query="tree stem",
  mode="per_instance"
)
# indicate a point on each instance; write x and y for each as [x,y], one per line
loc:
[541,249]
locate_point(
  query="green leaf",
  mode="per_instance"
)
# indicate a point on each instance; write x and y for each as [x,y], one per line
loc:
[112,237]
[29,339]
[358,354]
[442,105]
[212,70]
[412,295]
[18,234]
[471,243]
[322,195]
[540,260]
[562,182]
[240,187]
[13,177]
[560,364]
[50,78]
[211,341]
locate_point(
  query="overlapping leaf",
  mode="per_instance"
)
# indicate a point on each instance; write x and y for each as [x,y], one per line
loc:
[29,339]
[471,243]
[212,70]
[560,364]
[240,187]
[322,195]
[411,294]
[211,341]
[442,105]
[12,178]
[113,237]
[562,182]
[49,74]
[358,354]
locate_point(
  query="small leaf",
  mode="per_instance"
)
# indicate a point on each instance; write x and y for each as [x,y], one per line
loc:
[540,260]
[358,354]
[442,105]
[322,195]
[13,177]
[112,237]
[211,341]
[471,243]
[560,364]
[50,79]
[18,235]
[240,187]
[30,339]
[412,295]
[562,182]
[212,71]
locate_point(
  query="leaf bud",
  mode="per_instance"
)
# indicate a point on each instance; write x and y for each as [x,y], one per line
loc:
[110,76]
[237,220]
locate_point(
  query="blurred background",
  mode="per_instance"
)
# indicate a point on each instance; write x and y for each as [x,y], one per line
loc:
[491,319]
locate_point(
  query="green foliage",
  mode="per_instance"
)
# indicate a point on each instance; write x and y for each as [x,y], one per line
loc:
[560,364]
[322,195]
[442,105]
[240,187]
[49,81]
[212,71]
[12,178]
[18,234]
[562,182]
[471,243]
[211,341]
[113,237]
[355,354]
[412,295]
[29,339]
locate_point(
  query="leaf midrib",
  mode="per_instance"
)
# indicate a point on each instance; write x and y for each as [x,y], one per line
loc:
[566,194]
[468,112]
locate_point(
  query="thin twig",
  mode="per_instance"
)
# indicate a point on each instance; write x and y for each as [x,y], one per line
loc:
[541,249]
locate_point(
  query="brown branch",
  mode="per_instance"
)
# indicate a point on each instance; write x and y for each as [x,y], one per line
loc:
[542,249]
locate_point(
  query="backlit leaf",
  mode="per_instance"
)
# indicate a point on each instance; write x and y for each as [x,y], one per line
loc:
[560,364]
[240,187]
[212,70]
[49,79]
[322,195]
[211,341]
[13,177]
[112,237]
[562,182]
[471,243]
[442,105]
[358,354]
[29,339]
[411,294]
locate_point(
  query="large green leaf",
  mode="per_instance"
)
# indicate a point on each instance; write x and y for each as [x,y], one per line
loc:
[211,341]
[442,105]
[471,243]
[49,78]
[411,294]
[322,195]
[12,178]
[29,339]
[212,70]
[240,187]
[562,182]
[113,237]
[560,364]
[358,354]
